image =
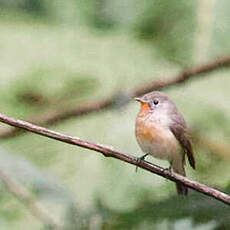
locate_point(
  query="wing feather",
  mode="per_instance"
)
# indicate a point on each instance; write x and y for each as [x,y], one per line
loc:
[179,129]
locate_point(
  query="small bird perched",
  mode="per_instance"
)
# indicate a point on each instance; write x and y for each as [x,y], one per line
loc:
[161,131]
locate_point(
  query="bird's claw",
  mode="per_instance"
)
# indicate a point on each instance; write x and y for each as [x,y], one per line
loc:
[139,159]
[169,169]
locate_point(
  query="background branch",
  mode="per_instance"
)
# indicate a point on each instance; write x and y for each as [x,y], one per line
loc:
[53,117]
[110,152]
[35,207]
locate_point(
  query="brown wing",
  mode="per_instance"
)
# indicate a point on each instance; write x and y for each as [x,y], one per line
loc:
[179,130]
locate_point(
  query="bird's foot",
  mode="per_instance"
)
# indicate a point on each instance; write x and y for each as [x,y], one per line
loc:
[169,169]
[142,157]
[139,159]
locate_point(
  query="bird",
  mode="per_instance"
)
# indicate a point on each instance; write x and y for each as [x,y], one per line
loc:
[162,132]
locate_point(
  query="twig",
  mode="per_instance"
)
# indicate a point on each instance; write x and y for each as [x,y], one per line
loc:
[34,206]
[54,117]
[184,76]
[110,152]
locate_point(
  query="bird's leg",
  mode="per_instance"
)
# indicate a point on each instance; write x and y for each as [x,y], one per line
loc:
[142,157]
[169,168]
[139,159]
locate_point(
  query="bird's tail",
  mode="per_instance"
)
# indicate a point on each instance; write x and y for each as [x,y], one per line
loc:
[178,167]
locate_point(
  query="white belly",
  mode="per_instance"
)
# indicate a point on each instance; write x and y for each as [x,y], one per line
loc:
[162,150]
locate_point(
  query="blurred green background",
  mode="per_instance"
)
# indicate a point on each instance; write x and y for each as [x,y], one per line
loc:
[56,55]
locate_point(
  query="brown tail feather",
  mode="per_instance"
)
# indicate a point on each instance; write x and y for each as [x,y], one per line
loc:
[181,189]
[191,160]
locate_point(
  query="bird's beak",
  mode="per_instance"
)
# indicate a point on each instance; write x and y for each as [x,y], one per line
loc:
[139,99]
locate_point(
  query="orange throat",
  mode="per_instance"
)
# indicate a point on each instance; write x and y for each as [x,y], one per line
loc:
[145,109]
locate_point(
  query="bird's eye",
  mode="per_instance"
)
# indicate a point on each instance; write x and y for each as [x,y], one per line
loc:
[155,102]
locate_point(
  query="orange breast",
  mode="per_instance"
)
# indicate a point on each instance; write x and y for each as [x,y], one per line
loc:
[147,131]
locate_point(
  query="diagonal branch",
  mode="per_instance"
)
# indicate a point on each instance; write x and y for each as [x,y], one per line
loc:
[34,206]
[184,76]
[110,152]
[53,117]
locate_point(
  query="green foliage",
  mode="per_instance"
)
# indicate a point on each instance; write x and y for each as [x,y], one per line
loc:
[45,88]
[170,26]
[32,6]
[44,188]
[9,211]
[201,209]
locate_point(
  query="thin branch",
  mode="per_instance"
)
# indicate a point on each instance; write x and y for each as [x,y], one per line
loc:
[184,76]
[53,117]
[34,206]
[111,152]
